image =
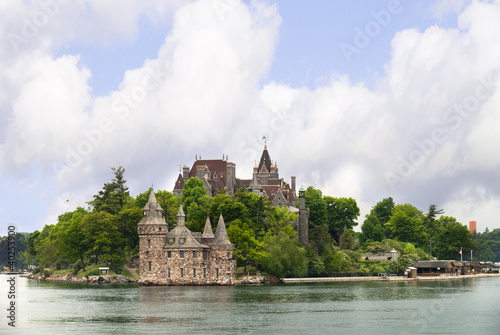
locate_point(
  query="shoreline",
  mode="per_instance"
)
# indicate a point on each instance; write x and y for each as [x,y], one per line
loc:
[383,279]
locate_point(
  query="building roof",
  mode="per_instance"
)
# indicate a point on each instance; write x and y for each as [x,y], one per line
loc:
[181,236]
[265,161]
[179,183]
[443,264]
[217,168]
[221,233]
[153,212]
[207,232]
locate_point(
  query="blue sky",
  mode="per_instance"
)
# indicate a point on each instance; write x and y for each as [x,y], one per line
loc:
[379,122]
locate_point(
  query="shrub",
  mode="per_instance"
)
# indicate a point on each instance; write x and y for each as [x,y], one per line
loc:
[46,273]
[76,267]
[117,264]
[36,270]
[92,272]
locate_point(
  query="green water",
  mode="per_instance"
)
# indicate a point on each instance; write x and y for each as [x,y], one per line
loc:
[466,306]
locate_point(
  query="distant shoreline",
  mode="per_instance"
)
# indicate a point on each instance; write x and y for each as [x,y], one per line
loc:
[382,279]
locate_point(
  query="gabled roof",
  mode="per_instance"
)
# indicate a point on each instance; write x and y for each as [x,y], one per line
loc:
[221,233]
[179,183]
[181,236]
[254,184]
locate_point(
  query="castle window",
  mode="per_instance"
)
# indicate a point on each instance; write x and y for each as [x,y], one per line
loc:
[215,174]
[182,240]
[181,254]
[168,272]
[217,273]
[204,272]
[169,254]
[160,228]
[149,266]
[195,254]
[228,255]
[149,244]
[182,273]
[171,240]
[144,213]
[194,273]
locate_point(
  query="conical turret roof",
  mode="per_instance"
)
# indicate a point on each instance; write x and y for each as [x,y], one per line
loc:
[153,212]
[221,233]
[181,217]
[207,232]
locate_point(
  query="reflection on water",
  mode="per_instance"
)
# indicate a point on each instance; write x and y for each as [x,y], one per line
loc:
[458,306]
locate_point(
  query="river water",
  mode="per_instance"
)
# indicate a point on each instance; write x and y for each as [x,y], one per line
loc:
[462,306]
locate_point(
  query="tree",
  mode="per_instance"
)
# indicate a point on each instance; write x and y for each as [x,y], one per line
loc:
[373,227]
[406,224]
[341,215]
[346,240]
[248,249]
[317,207]
[193,190]
[101,235]
[286,257]
[113,196]
[431,226]
[452,238]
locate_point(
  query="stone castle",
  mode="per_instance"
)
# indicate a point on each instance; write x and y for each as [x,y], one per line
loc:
[182,257]
[220,174]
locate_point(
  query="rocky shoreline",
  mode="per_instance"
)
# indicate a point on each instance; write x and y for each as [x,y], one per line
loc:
[102,279]
[121,279]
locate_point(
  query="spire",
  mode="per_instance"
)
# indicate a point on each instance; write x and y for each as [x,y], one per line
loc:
[207,232]
[221,233]
[181,218]
[254,184]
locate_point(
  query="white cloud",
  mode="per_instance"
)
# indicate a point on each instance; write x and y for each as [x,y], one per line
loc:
[206,93]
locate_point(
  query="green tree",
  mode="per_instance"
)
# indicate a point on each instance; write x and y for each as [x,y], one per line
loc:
[431,226]
[248,249]
[193,190]
[113,196]
[101,235]
[341,215]
[406,224]
[453,237]
[286,257]
[317,207]
[346,240]
[372,230]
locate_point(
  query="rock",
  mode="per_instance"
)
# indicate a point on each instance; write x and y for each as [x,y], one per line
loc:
[121,279]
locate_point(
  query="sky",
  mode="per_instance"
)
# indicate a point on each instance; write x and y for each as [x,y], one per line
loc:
[361,99]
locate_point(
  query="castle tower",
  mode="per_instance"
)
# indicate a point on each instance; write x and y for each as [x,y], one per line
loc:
[222,256]
[152,231]
[293,184]
[303,218]
[185,173]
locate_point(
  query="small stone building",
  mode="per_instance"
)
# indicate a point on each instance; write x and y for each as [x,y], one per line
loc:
[182,257]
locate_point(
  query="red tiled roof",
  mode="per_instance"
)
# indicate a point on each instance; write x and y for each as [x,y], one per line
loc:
[179,183]
[217,167]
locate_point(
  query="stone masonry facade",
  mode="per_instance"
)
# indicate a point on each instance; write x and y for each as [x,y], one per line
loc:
[182,257]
